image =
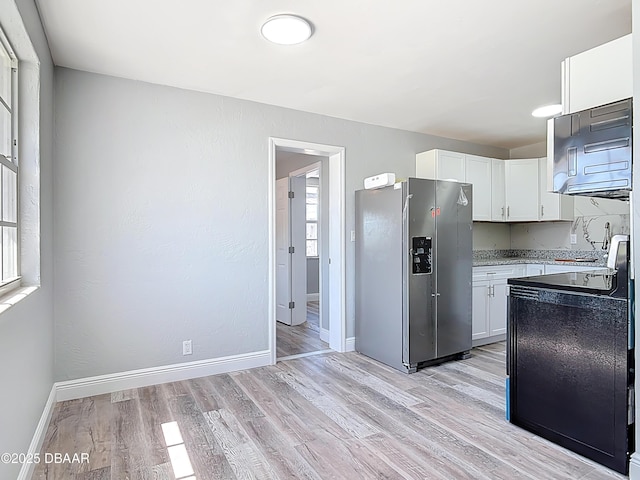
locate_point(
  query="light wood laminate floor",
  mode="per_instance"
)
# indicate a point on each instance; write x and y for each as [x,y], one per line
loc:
[304,338]
[329,416]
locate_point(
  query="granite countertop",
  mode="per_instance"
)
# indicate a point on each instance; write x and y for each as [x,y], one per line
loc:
[483,258]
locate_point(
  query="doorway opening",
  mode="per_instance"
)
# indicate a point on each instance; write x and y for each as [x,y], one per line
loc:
[299,253]
[291,159]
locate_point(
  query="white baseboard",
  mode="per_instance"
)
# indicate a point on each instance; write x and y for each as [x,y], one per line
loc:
[634,466]
[304,355]
[86,387]
[324,334]
[350,344]
[313,297]
[26,472]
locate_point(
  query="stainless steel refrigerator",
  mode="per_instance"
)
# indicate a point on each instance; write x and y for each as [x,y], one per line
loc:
[413,272]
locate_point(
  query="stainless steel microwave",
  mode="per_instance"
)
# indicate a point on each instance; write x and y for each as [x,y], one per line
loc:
[591,151]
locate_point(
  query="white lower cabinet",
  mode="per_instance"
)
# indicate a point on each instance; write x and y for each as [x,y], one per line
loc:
[489,302]
[534,269]
[489,309]
[489,296]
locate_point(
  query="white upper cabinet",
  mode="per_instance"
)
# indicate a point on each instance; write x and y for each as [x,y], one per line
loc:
[440,165]
[498,203]
[553,206]
[503,190]
[592,78]
[598,76]
[478,174]
[445,165]
[522,190]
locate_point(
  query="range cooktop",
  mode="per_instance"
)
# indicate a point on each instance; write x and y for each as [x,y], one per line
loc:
[596,282]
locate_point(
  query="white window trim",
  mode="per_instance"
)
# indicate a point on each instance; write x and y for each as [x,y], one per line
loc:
[26,119]
[12,163]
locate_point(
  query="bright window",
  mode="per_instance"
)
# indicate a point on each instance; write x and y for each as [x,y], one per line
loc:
[8,164]
[313,191]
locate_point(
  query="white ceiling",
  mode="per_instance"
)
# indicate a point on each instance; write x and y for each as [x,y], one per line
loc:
[466,69]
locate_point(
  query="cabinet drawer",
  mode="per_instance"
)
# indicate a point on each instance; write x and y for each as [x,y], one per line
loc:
[534,269]
[498,272]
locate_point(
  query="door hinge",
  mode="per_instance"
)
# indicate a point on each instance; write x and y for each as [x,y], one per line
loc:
[292,305]
[292,195]
[292,249]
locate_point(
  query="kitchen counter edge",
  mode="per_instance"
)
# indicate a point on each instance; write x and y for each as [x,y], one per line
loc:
[534,261]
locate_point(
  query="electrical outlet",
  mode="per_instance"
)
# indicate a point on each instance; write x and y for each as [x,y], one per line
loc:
[186,347]
[573,238]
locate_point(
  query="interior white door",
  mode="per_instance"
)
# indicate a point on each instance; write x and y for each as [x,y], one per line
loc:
[283,289]
[283,281]
[291,266]
[298,257]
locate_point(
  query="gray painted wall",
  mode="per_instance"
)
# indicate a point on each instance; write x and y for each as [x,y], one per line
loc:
[313,275]
[26,330]
[536,150]
[161,217]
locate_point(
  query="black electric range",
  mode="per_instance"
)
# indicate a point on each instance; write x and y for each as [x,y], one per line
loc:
[570,362]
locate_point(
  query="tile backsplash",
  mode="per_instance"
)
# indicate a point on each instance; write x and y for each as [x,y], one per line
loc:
[491,236]
[590,231]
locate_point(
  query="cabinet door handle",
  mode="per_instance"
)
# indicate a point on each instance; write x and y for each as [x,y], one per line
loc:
[502,212]
[541,211]
[508,212]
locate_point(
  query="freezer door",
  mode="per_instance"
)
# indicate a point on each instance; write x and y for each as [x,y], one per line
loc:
[378,276]
[419,236]
[452,267]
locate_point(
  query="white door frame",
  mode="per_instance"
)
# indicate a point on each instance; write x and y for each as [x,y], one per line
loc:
[337,236]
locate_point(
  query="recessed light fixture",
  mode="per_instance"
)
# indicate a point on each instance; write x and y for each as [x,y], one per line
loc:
[547,110]
[286,29]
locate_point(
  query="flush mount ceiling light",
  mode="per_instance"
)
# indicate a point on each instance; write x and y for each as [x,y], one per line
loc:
[547,111]
[286,29]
